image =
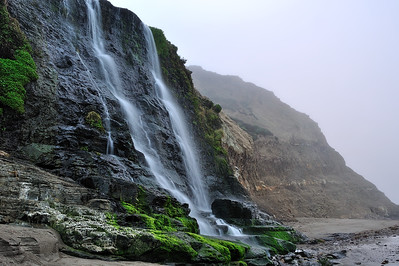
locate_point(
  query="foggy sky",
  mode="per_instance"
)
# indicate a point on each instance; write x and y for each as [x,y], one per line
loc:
[337,61]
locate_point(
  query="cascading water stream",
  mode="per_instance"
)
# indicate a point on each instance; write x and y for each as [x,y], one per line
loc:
[135,118]
[140,130]
[187,144]
[107,124]
[107,118]
[180,129]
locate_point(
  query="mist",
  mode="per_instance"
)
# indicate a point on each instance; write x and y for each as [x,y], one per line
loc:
[337,61]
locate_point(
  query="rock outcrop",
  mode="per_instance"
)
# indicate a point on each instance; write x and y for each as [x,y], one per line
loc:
[129,223]
[289,169]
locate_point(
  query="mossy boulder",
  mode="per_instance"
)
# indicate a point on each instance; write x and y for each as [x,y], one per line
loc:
[160,212]
[99,234]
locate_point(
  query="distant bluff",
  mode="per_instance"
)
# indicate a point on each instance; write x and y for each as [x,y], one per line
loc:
[288,167]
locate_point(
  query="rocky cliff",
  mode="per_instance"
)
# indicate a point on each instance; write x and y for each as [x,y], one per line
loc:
[289,169]
[89,111]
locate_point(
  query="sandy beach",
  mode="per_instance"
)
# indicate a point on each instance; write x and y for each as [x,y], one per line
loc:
[349,241]
[323,227]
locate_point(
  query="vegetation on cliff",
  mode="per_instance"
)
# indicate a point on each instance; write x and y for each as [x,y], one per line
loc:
[206,113]
[17,67]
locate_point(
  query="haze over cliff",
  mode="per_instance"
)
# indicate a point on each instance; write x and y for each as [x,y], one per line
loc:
[294,172]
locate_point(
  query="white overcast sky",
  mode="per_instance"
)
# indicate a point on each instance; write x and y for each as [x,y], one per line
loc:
[337,61]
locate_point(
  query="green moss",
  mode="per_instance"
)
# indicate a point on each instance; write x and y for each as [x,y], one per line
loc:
[11,37]
[17,67]
[174,248]
[277,246]
[14,75]
[228,250]
[112,220]
[189,224]
[163,223]
[284,235]
[173,210]
[215,251]
[130,208]
[94,120]
[84,148]
[237,251]
[174,218]
[161,42]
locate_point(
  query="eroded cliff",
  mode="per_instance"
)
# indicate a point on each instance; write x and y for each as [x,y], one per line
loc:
[289,169]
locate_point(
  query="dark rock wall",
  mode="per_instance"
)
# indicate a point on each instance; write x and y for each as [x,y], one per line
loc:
[54,132]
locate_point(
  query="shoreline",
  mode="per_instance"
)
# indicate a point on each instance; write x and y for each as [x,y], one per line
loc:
[338,241]
[323,227]
[345,242]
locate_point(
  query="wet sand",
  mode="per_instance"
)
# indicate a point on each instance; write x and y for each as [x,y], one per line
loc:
[323,227]
[351,241]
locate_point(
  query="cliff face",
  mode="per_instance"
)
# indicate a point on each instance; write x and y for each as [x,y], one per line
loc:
[115,173]
[71,111]
[290,170]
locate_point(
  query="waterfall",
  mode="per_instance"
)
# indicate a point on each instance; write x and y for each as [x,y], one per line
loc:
[139,128]
[141,133]
[107,124]
[179,125]
[66,7]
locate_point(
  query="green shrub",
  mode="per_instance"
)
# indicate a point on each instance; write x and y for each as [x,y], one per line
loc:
[217,108]
[94,120]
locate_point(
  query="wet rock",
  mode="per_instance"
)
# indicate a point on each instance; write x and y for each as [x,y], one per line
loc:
[229,209]
[100,204]
[18,244]
[337,255]
[303,253]
[64,62]
[241,214]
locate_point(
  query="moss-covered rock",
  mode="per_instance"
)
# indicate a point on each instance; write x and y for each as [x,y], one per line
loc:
[17,67]
[276,245]
[168,215]
[99,233]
